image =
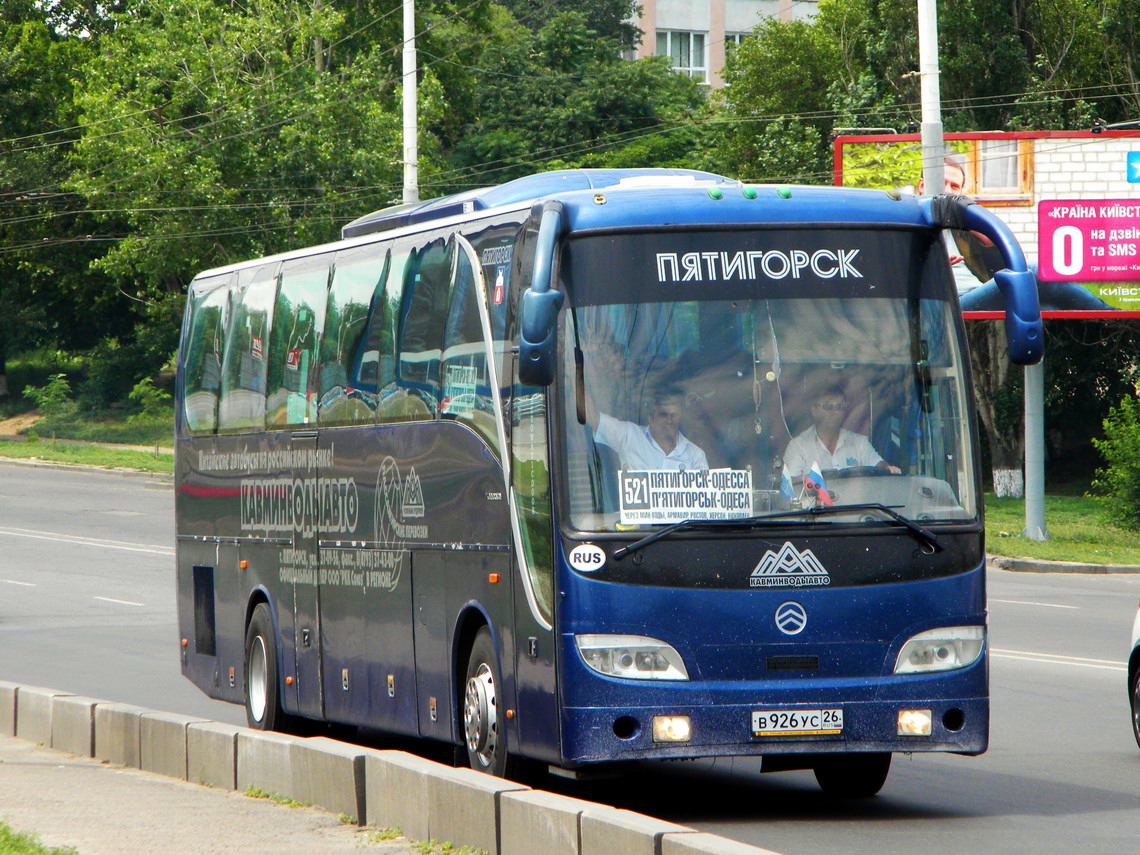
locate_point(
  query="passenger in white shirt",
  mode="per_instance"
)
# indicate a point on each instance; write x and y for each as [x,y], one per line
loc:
[659,445]
[827,443]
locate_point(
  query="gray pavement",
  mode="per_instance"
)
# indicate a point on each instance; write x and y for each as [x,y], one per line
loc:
[103,809]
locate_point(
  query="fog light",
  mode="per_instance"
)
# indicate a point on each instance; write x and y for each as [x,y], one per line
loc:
[914,722]
[672,728]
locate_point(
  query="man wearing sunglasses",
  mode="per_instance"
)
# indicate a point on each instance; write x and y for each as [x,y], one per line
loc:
[827,444]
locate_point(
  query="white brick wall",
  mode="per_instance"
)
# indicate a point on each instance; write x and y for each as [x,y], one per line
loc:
[1091,168]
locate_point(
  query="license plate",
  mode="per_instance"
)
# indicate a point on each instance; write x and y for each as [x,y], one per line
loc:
[797,722]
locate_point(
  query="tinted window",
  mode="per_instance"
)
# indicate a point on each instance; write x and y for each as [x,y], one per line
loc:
[202,360]
[297,317]
[242,403]
[354,348]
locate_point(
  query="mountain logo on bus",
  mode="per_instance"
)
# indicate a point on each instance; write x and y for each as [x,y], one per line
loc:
[789,568]
[413,504]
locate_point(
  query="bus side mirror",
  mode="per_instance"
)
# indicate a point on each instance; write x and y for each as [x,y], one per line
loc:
[538,315]
[1022,315]
[538,337]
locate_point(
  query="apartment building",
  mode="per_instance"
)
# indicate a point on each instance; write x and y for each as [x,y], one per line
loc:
[697,33]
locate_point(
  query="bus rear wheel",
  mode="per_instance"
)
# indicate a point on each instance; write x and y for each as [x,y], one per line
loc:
[262,693]
[852,776]
[1136,706]
[483,733]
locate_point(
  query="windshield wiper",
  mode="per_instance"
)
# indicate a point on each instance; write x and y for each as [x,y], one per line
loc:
[923,533]
[755,522]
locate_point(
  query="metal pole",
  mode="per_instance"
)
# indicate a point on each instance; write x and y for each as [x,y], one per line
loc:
[932,142]
[411,165]
[1035,452]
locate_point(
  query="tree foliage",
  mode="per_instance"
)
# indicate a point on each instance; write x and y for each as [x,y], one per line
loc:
[141,142]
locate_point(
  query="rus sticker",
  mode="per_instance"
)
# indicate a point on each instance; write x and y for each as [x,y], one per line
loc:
[586,557]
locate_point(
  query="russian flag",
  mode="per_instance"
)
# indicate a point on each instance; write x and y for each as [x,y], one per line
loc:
[814,483]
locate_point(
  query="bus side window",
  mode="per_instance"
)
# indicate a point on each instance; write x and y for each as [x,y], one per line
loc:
[423,312]
[242,402]
[358,343]
[297,317]
[466,389]
[209,304]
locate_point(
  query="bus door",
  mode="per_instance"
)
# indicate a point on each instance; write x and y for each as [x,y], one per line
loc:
[291,415]
[536,685]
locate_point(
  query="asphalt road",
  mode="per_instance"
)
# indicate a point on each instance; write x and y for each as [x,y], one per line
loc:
[87,605]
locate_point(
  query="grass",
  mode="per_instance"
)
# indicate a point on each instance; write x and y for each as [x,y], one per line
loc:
[14,842]
[1077,530]
[276,798]
[89,455]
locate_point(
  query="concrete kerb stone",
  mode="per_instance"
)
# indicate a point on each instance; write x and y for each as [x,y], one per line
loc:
[265,763]
[703,843]
[211,754]
[330,774]
[73,724]
[1033,565]
[117,733]
[162,743]
[394,787]
[463,807]
[612,831]
[33,713]
[537,821]
[8,692]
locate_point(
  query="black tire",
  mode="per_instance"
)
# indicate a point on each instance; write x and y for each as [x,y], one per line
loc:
[485,737]
[1136,706]
[852,776]
[262,691]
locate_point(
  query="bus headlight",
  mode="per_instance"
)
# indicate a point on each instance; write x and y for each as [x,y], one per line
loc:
[633,657]
[941,649]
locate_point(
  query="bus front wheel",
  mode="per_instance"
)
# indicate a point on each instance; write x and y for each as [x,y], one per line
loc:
[262,699]
[483,732]
[852,776]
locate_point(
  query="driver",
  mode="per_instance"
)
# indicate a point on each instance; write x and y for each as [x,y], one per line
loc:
[827,444]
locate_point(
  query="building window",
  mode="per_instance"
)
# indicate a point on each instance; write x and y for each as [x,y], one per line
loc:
[998,171]
[734,40]
[686,49]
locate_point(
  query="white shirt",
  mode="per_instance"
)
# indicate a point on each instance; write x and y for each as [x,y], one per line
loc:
[852,449]
[638,450]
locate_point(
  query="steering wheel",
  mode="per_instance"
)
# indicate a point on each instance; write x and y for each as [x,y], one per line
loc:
[856,472]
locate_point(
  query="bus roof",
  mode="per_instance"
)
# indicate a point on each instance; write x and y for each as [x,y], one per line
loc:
[603,199]
[527,189]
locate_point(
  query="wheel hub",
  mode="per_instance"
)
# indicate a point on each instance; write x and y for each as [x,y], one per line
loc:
[480,715]
[257,679]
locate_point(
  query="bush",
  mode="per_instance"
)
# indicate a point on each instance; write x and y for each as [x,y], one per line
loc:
[153,403]
[1118,483]
[53,399]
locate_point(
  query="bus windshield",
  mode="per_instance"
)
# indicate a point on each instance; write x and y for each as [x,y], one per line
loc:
[720,376]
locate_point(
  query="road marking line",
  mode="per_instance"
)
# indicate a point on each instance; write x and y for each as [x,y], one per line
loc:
[1056,659]
[25,584]
[1030,603]
[120,602]
[87,541]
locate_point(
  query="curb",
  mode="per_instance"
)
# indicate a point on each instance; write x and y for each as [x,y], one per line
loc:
[158,477]
[427,800]
[1034,565]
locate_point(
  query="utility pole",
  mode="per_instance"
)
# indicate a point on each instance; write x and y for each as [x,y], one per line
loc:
[932,142]
[411,156]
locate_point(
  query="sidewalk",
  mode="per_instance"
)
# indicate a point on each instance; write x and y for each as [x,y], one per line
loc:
[101,809]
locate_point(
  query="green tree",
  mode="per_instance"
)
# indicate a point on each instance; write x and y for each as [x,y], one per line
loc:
[217,132]
[562,96]
[47,295]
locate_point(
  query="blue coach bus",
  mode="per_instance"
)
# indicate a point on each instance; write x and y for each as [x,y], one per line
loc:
[516,470]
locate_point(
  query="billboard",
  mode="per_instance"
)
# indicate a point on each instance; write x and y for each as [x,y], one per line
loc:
[1071,198]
